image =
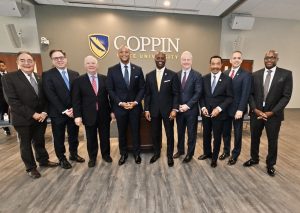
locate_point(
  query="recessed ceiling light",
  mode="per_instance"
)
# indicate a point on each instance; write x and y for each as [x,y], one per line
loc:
[167,3]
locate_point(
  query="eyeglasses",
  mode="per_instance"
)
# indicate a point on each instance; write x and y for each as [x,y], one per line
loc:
[28,61]
[58,58]
[272,58]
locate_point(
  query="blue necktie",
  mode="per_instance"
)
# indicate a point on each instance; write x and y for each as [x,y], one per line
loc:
[213,85]
[64,75]
[126,76]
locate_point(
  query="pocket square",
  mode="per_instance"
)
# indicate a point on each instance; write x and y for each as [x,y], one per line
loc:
[136,76]
[167,81]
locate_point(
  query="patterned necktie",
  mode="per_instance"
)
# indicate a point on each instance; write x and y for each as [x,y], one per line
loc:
[213,85]
[267,84]
[183,80]
[33,84]
[232,74]
[126,76]
[64,75]
[94,85]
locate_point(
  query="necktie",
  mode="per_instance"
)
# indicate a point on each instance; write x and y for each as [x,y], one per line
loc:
[33,84]
[232,74]
[183,80]
[94,85]
[64,75]
[126,76]
[213,85]
[267,84]
[158,79]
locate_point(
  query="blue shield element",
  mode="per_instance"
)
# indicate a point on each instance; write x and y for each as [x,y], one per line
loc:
[99,44]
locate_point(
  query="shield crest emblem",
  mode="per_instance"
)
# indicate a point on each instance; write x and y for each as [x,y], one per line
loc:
[99,44]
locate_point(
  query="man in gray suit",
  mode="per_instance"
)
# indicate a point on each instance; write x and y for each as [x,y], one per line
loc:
[271,92]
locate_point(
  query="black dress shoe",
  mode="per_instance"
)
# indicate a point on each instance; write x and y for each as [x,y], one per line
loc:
[123,159]
[178,154]
[64,163]
[107,159]
[76,158]
[137,159]
[170,162]
[154,158]
[223,156]
[213,164]
[271,171]
[91,163]
[187,158]
[34,173]
[49,164]
[232,161]
[203,157]
[250,163]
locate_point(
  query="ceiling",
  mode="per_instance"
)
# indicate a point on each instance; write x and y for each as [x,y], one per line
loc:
[287,9]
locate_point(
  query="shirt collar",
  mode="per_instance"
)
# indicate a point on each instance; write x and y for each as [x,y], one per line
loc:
[160,70]
[217,74]
[90,75]
[123,65]
[273,69]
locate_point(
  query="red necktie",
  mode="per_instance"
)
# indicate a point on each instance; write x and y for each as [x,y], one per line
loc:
[232,74]
[94,85]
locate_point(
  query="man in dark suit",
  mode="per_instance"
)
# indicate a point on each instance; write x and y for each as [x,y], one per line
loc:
[24,94]
[271,92]
[3,104]
[241,84]
[57,83]
[126,88]
[161,104]
[217,96]
[187,117]
[91,107]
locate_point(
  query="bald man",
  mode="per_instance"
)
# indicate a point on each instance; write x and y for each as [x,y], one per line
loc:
[187,117]
[271,92]
[91,107]
[126,88]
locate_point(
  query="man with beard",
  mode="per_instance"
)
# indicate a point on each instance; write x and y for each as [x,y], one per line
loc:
[271,92]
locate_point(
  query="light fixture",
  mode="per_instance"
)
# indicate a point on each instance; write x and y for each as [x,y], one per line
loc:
[167,3]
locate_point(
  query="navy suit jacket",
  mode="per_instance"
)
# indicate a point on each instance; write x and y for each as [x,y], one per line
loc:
[279,94]
[167,98]
[57,93]
[21,97]
[241,85]
[118,91]
[84,100]
[192,91]
[222,96]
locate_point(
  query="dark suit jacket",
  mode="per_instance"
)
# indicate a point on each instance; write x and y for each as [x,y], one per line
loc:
[241,85]
[192,91]
[279,94]
[57,93]
[118,90]
[21,97]
[222,96]
[3,104]
[167,98]
[84,100]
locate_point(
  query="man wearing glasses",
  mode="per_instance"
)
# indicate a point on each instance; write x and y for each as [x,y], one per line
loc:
[57,83]
[271,92]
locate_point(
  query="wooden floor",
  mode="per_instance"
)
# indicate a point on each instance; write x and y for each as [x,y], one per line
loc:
[193,187]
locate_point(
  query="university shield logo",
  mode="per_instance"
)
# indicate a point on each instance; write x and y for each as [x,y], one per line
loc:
[99,44]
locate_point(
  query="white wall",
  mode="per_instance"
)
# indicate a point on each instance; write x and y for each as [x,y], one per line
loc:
[27,25]
[281,35]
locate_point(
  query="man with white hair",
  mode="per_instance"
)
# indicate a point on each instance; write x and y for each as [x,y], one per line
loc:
[187,118]
[91,107]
